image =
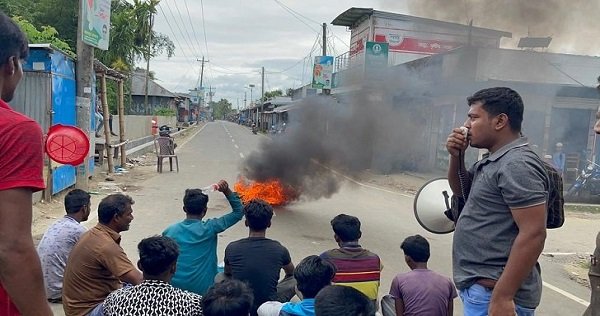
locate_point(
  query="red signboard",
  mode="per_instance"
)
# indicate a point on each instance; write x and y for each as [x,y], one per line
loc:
[414,45]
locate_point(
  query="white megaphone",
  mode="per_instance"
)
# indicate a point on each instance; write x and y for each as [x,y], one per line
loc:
[432,199]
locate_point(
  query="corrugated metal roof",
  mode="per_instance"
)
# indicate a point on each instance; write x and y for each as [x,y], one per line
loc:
[154,89]
[354,16]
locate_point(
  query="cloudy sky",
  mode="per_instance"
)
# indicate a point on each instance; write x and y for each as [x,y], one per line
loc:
[238,37]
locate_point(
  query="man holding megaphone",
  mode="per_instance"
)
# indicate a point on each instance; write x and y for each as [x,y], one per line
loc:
[502,227]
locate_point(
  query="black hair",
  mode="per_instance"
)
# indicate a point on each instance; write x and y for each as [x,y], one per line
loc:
[157,254]
[12,40]
[258,214]
[500,100]
[195,201]
[416,247]
[114,204]
[312,274]
[346,227]
[75,200]
[339,300]
[228,298]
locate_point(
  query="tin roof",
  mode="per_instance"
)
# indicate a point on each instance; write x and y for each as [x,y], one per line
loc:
[354,16]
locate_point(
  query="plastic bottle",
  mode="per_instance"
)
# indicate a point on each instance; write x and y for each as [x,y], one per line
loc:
[210,188]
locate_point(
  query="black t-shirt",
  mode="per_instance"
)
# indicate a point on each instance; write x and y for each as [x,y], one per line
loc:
[257,261]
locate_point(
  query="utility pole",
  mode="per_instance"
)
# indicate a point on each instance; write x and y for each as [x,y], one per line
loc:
[262,94]
[325,91]
[324,39]
[85,71]
[244,100]
[148,47]
[202,77]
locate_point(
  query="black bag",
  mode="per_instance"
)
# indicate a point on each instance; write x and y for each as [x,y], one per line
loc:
[556,201]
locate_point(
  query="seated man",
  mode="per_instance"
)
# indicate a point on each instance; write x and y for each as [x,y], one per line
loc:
[258,260]
[197,238]
[337,300]
[356,266]
[59,239]
[421,291]
[312,274]
[228,298]
[97,264]
[158,259]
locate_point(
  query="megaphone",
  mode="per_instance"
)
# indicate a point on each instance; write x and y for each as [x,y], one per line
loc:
[432,199]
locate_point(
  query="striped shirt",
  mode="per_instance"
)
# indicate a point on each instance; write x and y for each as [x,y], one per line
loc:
[356,267]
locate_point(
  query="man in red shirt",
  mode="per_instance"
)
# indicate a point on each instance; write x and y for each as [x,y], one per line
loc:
[21,166]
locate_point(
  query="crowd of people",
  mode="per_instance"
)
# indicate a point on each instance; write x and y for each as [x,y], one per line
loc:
[498,238]
[90,274]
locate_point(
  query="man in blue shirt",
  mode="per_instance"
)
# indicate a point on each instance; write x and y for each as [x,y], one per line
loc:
[312,274]
[197,238]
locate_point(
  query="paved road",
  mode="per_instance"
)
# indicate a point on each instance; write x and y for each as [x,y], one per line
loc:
[216,152]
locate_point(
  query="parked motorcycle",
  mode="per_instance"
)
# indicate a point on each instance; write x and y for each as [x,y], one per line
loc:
[587,184]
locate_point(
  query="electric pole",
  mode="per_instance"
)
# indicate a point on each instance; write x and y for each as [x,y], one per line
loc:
[202,77]
[262,94]
[325,91]
[148,48]
[85,71]
[324,39]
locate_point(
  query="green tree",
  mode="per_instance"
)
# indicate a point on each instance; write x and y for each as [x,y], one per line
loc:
[47,34]
[221,109]
[272,94]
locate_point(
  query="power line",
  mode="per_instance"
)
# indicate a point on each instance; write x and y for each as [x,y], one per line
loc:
[178,27]
[295,15]
[174,34]
[186,30]
[193,28]
[204,31]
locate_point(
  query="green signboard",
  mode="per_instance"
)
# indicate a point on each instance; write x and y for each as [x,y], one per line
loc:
[376,58]
[96,23]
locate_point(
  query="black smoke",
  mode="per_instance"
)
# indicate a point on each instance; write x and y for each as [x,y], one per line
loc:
[378,127]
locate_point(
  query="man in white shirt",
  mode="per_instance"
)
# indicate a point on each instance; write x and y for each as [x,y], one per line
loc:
[59,239]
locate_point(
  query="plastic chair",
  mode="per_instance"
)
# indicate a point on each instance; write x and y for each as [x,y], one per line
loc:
[165,148]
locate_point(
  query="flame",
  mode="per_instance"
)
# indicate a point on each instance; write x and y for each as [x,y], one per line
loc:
[272,192]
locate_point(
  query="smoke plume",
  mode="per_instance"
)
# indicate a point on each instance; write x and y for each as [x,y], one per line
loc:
[572,25]
[370,130]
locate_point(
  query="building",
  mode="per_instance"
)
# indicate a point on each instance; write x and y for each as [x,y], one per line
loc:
[432,66]
[158,97]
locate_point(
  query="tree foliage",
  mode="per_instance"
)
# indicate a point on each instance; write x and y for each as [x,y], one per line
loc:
[130,30]
[272,94]
[47,35]
[221,109]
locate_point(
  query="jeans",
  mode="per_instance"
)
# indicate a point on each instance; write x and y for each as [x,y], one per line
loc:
[97,311]
[476,301]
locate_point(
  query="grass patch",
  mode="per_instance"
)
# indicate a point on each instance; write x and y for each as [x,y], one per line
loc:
[583,208]
[584,264]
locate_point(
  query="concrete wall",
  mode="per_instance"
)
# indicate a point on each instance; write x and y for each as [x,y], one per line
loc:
[139,126]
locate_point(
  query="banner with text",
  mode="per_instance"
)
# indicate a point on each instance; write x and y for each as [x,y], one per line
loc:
[322,72]
[96,23]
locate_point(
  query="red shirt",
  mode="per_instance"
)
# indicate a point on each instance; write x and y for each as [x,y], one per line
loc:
[21,165]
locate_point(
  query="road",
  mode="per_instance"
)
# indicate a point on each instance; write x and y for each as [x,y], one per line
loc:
[217,151]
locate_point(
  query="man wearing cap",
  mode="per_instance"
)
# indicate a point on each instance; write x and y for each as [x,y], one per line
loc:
[558,158]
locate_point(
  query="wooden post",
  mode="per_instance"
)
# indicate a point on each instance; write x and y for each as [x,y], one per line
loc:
[122,122]
[106,116]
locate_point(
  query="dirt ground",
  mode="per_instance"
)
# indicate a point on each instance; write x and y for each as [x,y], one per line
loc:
[143,166]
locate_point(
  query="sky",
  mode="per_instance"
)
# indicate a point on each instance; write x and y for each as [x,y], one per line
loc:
[238,37]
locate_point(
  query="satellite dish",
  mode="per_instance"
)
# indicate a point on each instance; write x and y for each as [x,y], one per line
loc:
[432,199]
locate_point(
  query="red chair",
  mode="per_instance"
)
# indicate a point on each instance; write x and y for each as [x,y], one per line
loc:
[165,148]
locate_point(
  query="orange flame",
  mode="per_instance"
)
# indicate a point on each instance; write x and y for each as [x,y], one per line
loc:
[272,192]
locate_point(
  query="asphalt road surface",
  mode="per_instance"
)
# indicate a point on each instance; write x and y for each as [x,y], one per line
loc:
[217,152]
